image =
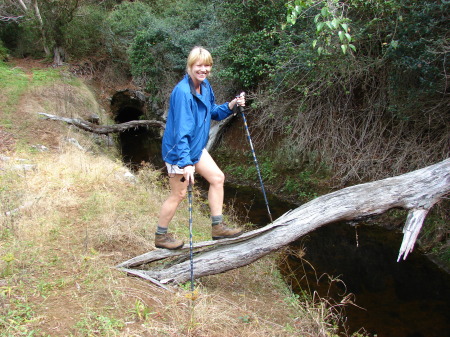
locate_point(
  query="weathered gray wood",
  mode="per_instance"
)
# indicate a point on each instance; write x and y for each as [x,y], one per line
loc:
[161,254]
[417,191]
[214,133]
[103,129]
[145,277]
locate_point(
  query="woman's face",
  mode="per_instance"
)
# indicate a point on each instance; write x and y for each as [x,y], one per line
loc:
[199,71]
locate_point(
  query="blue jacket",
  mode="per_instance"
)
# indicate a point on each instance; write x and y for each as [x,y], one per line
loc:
[188,122]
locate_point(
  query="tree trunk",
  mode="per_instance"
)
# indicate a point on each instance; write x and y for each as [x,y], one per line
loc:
[103,129]
[59,56]
[214,133]
[41,27]
[416,191]
[22,4]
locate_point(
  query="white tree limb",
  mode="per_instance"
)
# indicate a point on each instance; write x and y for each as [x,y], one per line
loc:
[22,4]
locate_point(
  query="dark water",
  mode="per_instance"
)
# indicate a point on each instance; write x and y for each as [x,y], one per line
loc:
[393,299]
[409,298]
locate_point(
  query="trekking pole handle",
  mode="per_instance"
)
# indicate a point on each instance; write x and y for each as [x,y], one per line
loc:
[239,107]
[242,94]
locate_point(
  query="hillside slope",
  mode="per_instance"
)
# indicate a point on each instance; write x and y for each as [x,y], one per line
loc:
[69,214]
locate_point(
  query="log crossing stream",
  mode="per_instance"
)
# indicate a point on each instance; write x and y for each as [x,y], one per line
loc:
[409,298]
[393,299]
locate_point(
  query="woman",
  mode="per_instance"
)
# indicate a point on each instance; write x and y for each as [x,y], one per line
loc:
[192,106]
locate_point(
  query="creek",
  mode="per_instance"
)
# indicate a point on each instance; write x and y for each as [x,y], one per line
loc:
[410,298]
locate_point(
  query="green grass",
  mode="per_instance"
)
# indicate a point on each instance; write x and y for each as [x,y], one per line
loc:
[45,76]
[13,82]
[17,315]
[94,324]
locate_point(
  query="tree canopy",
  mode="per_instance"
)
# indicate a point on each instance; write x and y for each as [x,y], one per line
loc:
[358,88]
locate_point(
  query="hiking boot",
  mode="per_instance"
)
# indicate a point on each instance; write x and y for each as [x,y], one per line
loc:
[222,231]
[167,241]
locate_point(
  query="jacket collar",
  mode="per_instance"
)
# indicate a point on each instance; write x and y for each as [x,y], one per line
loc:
[192,87]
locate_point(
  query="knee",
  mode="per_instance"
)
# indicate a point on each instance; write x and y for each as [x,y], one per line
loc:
[218,179]
[179,195]
[182,195]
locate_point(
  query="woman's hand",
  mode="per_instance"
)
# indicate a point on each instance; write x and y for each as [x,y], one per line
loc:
[188,174]
[239,100]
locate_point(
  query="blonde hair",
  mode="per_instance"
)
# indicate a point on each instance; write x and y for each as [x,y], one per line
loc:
[198,54]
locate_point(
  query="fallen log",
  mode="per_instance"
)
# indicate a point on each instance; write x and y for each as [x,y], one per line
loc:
[103,129]
[216,127]
[416,191]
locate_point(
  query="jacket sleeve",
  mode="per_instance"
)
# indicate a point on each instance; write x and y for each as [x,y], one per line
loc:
[183,126]
[218,112]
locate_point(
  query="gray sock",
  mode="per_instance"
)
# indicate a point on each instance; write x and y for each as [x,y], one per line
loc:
[161,230]
[216,219]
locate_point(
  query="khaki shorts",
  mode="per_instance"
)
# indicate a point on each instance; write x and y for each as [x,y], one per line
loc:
[174,169]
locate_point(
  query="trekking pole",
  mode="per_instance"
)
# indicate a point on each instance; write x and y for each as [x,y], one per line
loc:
[241,110]
[191,249]
[191,254]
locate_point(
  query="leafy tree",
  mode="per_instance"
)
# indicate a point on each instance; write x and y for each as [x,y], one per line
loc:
[122,25]
[125,20]
[57,28]
[252,38]
[57,15]
[379,100]
[50,17]
[84,36]
[23,18]
[332,25]
[159,49]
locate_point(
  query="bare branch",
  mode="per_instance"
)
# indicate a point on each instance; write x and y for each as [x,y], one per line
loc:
[22,4]
[103,129]
[11,18]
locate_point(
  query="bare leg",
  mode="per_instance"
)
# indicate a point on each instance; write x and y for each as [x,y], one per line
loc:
[169,207]
[208,169]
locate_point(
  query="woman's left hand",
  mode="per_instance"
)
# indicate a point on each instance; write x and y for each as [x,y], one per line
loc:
[239,100]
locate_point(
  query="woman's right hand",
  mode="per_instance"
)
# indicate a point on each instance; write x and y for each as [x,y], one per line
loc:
[188,173]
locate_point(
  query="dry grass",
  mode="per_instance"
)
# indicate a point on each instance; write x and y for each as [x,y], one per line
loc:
[76,225]
[66,222]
